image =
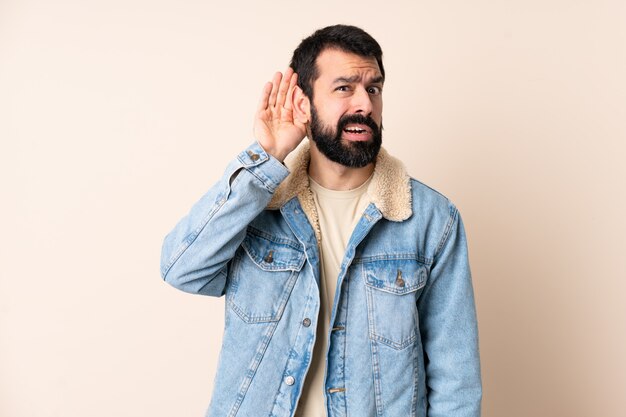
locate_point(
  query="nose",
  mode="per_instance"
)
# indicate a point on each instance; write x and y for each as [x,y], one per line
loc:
[362,102]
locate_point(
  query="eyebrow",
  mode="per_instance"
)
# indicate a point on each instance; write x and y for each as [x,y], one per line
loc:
[355,78]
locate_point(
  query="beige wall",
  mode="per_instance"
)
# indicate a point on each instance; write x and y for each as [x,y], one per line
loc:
[115,116]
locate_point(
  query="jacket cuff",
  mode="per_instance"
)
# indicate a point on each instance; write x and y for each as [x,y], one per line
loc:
[263,166]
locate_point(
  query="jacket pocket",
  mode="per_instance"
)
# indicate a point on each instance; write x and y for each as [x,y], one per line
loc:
[392,286]
[263,274]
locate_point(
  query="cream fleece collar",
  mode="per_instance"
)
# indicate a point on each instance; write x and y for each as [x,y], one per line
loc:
[389,190]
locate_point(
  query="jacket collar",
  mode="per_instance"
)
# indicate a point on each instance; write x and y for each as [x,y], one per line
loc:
[389,189]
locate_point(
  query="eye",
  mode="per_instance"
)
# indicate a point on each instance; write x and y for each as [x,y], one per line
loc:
[342,88]
[374,90]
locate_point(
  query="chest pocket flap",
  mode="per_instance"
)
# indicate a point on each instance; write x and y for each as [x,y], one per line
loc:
[273,254]
[396,276]
[263,275]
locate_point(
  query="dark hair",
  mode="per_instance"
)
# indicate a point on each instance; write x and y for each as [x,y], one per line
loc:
[343,37]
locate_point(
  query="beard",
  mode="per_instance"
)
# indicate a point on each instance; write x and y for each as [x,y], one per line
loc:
[347,153]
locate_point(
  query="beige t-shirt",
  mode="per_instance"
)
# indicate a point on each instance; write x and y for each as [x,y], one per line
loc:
[338,213]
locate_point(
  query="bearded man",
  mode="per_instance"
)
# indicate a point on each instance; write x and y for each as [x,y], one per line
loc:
[347,282]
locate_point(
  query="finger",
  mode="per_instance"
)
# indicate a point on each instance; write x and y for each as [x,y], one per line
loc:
[265,96]
[284,87]
[290,92]
[275,83]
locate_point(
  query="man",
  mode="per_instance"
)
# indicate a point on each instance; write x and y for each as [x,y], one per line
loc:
[348,290]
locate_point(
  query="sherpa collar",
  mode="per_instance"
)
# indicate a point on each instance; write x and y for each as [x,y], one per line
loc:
[389,189]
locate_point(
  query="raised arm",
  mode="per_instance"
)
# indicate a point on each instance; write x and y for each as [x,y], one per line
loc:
[196,252]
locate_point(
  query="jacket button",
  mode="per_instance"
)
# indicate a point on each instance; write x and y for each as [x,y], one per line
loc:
[290,380]
[253,156]
[306,322]
[399,280]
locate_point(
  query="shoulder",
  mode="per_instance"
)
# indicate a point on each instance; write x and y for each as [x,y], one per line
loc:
[425,199]
[434,216]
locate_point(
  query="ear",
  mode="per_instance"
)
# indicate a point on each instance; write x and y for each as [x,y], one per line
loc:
[301,106]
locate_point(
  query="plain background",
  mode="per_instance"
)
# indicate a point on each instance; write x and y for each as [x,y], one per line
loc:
[115,116]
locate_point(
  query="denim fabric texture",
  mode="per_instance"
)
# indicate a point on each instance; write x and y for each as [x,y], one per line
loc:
[403,339]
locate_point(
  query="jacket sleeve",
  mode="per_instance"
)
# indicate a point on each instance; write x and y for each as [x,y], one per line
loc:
[449,329]
[195,254]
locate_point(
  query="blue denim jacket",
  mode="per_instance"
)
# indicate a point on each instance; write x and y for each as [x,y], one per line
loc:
[403,337]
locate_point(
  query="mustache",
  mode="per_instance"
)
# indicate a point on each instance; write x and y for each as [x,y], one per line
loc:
[357,119]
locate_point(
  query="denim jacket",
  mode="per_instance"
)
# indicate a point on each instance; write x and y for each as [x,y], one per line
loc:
[403,337]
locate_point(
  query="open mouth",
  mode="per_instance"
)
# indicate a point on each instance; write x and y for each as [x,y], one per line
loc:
[359,130]
[355,130]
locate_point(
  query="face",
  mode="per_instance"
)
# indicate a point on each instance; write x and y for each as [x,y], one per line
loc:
[346,112]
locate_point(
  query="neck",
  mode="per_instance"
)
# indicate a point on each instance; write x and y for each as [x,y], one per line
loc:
[335,176]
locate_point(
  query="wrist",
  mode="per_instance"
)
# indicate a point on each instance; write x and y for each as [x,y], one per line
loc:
[278,154]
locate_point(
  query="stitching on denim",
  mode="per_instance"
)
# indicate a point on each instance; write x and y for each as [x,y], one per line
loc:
[244,156]
[453,216]
[375,364]
[373,333]
[274,317]
[252,368]
[420,283]
[266,181]
[393,344]
[344,336]
[191,238]
[298,333]
[414,397]
[220,272]
[294,263]
[272,238]
[429,187]
[394,256]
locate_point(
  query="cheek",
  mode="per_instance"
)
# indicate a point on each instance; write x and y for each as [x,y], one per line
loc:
[377,111]
[332,113]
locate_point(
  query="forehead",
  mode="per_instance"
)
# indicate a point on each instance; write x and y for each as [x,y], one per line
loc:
[334,63]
